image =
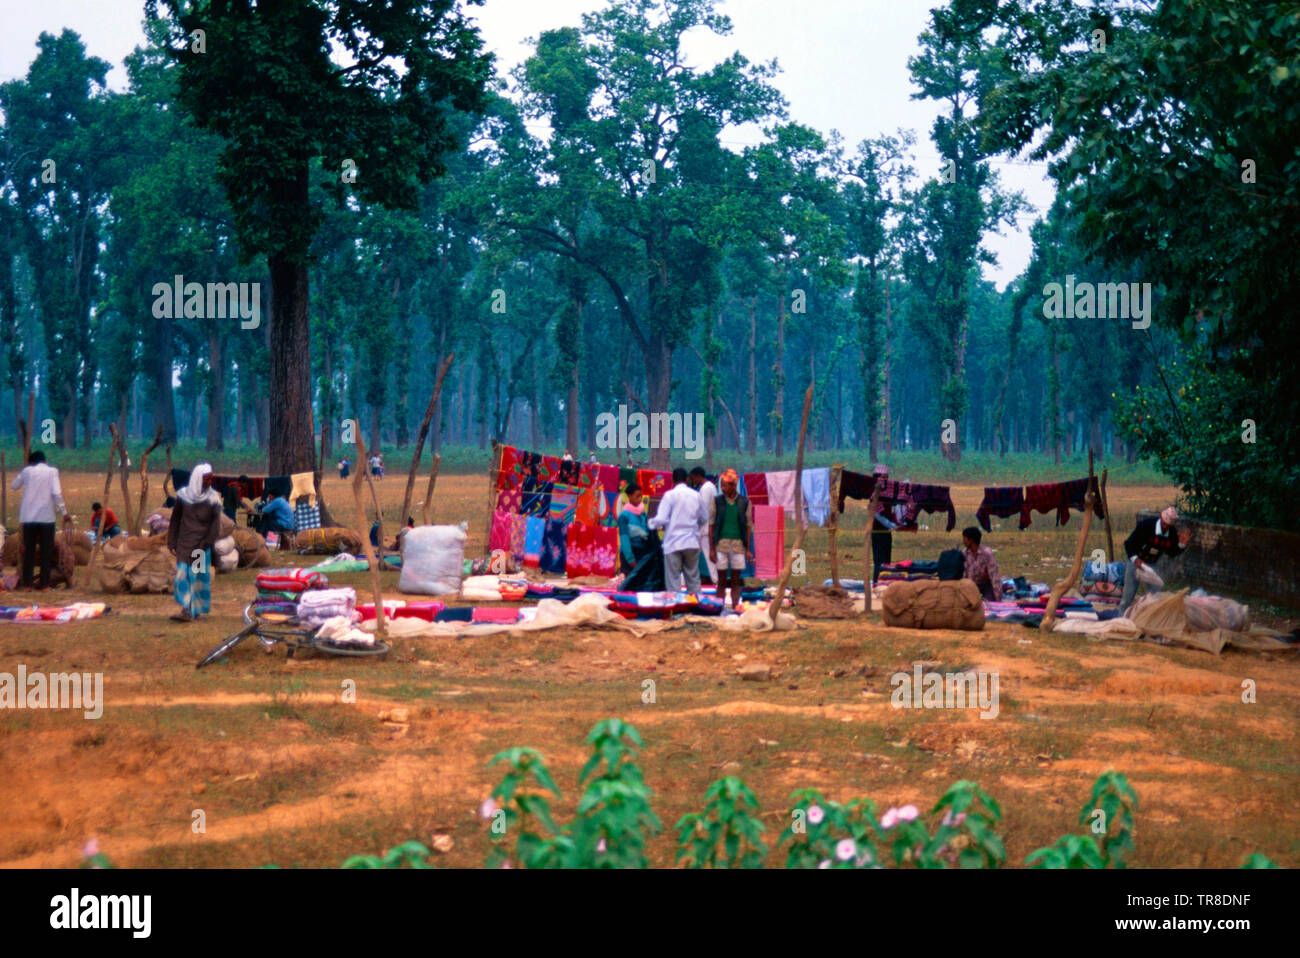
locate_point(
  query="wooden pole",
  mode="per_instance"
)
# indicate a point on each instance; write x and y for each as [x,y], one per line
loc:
[1105,508]
[493,473]
[422,435]
[144,478]
[428,493]
[4,492]
[1064,585]
[835,499]
[125,474]
[108,488]
[381,626]
[802,527]
[868,565]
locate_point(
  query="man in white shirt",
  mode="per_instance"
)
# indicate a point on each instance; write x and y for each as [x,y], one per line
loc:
[42,497]
[683,517]
[708,492]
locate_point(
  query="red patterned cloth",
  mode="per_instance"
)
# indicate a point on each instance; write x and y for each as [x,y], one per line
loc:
[1044,498]
[510,472]
[510,500]
[756,488]
[607,478]
[518,533]
[499,539]
[590,506]
[577,540]
[653,482]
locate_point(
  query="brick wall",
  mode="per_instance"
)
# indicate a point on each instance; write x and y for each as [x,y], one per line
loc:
[1237,559]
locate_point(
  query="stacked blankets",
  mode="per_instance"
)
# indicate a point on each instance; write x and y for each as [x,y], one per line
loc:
[317,605]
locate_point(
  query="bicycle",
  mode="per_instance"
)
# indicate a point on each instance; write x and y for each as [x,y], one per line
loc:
[295,637]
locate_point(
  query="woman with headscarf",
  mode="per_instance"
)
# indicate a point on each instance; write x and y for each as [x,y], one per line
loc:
[195,527]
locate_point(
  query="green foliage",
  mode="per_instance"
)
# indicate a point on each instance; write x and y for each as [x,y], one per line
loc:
[967,834]
[1196,422]
[826,834]
[727,833]
[613,815]
[1257,860]
[1108,815]
[408,854]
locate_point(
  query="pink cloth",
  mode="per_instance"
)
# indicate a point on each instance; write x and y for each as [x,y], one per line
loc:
[780,489]
[756,488]
[494,614]
[769,541]
[499,539]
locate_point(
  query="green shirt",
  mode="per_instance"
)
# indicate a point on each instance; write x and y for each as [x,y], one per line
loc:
[730,520]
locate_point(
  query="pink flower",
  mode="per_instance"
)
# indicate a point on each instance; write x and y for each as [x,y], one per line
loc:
[845,849]
[815,815]
[91,849]
[600,846]
[908,813]
[824,863]
[889,819]
[488,808]
[953,820]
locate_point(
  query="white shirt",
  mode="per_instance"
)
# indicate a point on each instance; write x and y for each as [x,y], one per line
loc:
[682,515]
[42,494]
[708,494]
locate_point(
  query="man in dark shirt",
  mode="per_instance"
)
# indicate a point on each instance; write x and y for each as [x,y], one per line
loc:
[1151,539]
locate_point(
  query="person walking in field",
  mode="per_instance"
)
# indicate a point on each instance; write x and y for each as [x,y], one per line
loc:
[195,527]
[42,498]
[699,481]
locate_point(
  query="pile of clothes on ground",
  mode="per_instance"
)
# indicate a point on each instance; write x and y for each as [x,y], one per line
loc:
[72,612]
[303,597]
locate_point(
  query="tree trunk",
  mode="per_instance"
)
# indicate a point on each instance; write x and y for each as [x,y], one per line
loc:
[752,439]
[659,381]
[291,442]
[778,382]
[216,391]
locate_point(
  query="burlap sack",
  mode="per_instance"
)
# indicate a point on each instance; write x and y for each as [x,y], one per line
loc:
[66,555]
[328,541]
[122,568]
[79,544]
[930,604]
[253,553]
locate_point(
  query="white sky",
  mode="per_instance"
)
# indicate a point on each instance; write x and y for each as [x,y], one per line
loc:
[844,66]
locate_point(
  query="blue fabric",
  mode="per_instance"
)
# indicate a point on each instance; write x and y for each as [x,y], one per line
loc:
[192,589]
[554,547]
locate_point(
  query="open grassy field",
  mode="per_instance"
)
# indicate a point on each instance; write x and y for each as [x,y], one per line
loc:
[285,772]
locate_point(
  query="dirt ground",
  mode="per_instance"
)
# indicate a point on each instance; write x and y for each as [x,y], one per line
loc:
[284,771]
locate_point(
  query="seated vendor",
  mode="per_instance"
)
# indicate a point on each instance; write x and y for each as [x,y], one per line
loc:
[633,529]
[277,516]
[981,566]
[105,517]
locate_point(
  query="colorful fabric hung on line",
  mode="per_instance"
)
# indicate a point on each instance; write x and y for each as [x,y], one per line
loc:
[518,537]
[499,537]
[654,483]
[534,535]
[1000,501]
[553,548]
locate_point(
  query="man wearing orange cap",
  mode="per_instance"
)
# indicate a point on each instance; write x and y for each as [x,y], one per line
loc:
[1151,538]
[729,537]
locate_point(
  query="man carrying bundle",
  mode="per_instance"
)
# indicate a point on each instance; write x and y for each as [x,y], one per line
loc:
[1152,538]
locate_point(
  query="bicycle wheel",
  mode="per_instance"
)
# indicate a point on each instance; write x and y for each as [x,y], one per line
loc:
[227,645]
[326,647]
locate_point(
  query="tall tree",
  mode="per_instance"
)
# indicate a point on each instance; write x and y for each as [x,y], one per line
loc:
[364,87]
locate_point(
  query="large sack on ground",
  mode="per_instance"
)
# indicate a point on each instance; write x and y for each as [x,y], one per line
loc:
[248,543]
[929,604]
[432,559]
[227,525]
[79,543]
[65,555]
[125,569]
[330,540]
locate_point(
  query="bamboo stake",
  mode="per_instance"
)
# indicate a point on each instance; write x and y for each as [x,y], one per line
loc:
[1105,508]
[798,502]
[428,493]
[381,627]
[422,435]
[868,564]
[144,476]
[493,473]
[834,524]
[108,488]
[4,492]
[1064,585]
